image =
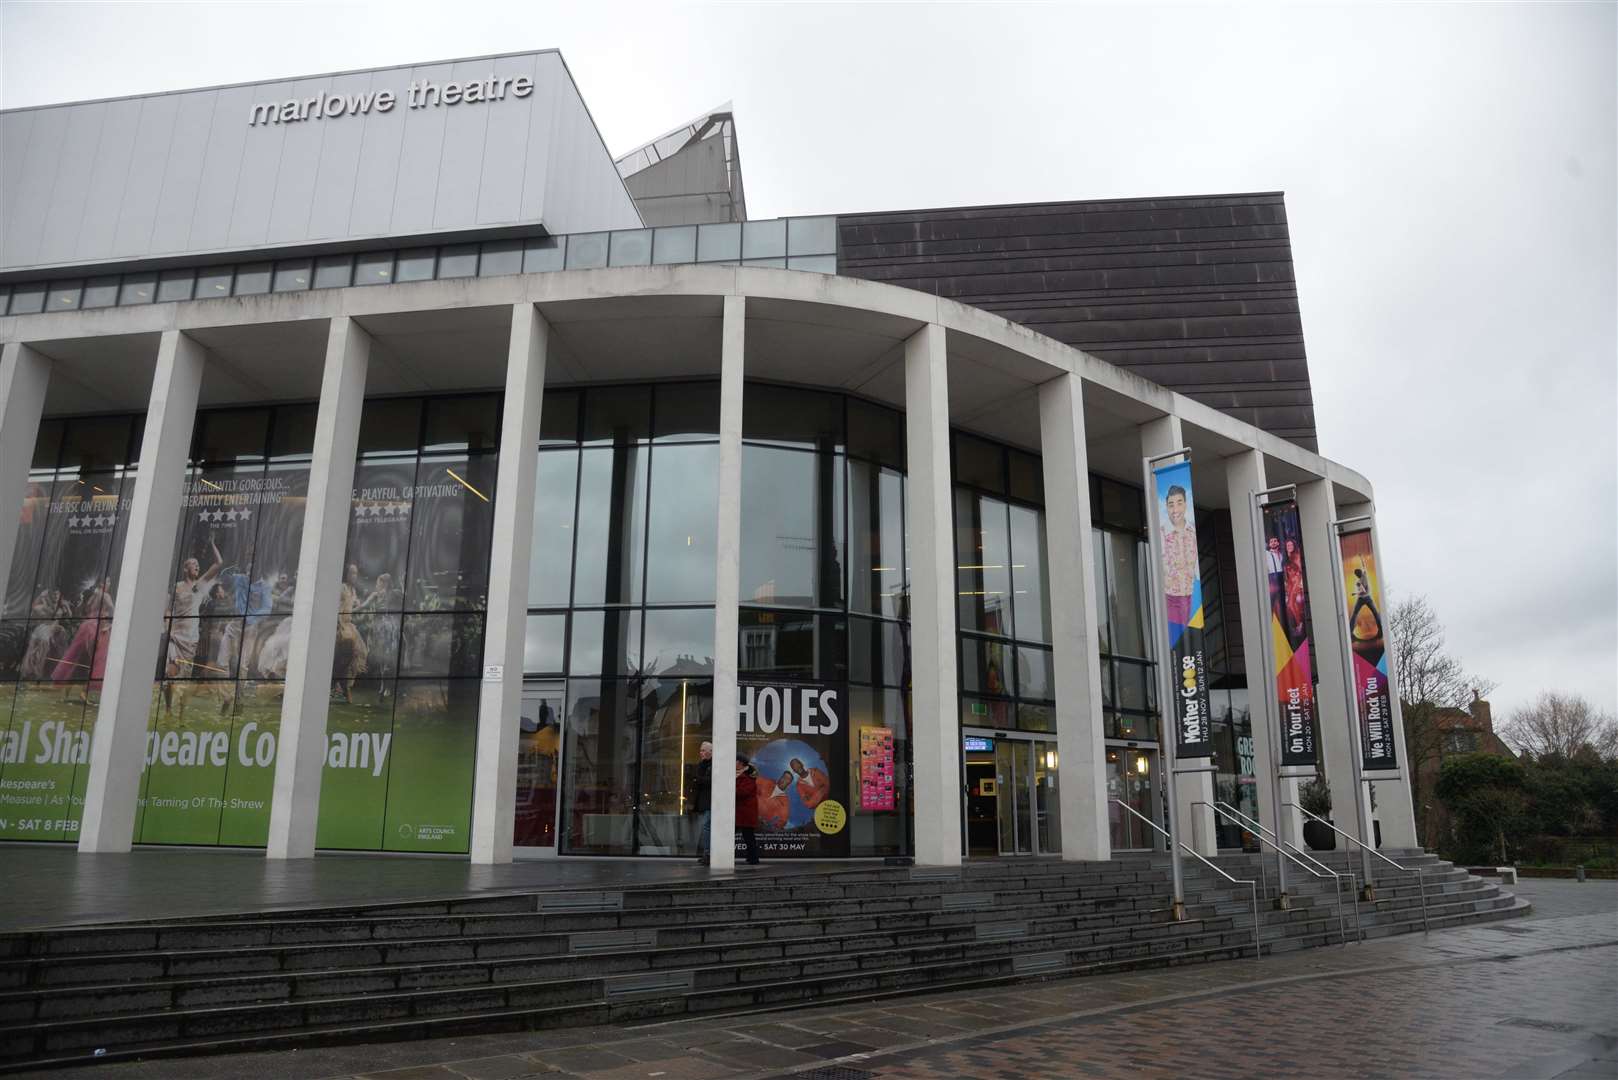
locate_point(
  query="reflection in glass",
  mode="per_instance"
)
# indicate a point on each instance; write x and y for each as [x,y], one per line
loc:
[602,734]
[605,643]
[550,554]
[611,531]
[677,715]
[1124,593]
[680,543]
[794,645]
[792,517]
[679,642]
[378,537]
[983,555]
[984,667]
[1029,575]
[441,645]
[878,652]
[544,643]
[1035,678]
[876,540]
[539,748]
[687,412]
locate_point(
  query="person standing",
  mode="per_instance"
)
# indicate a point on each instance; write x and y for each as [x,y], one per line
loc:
[702,801]
[747,807]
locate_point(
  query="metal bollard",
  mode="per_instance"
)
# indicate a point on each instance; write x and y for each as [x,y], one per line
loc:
[1578,873]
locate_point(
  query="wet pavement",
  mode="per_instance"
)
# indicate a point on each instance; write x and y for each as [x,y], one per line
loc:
[1523,998]
[56,886]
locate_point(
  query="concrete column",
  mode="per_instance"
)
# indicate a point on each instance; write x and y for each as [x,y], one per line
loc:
[1193,791]
[1335,713]
[24,377]
[935,737]
[494,785]
[1080,737]
[727,584]
[1394,807]
[302,749]
[1244,474]
[146,576]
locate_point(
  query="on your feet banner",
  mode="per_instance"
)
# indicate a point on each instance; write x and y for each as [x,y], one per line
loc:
[1291,650]
[1174,522]
[1362,589]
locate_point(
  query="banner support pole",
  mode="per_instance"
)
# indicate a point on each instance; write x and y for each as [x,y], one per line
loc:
[1362,810]
[1164,687]
[1272,707]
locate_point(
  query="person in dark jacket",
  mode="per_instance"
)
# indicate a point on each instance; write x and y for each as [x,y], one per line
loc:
[701,799]
[747,806]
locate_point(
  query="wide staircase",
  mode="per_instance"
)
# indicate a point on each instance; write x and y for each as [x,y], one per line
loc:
[754,942]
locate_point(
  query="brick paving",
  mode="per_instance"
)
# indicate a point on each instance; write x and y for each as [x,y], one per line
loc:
[1530,999]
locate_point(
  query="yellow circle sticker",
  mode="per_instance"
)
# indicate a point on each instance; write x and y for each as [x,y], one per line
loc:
[830,817]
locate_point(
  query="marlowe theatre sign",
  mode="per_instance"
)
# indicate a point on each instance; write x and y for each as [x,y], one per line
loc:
[419,95]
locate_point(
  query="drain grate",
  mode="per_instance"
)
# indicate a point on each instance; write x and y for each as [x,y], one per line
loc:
[1001,931]
[651,983]
[1540,1025]
[606,940]
[1037,963]
[837,1072]
[579,901]
[966,901]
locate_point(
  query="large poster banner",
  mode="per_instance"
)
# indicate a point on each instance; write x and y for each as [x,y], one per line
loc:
[1362,589]
[797,740]
[1291,650]
[1181,577]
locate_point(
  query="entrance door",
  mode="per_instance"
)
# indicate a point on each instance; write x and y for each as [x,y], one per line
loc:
[1011,796]
[539,759]
[1129,780]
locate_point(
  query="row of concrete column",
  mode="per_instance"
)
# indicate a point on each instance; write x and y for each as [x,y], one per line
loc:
[117,749]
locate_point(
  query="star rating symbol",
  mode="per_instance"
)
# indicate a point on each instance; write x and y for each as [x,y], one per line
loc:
[72,522]
[205,516]
[230,515]
[245,514]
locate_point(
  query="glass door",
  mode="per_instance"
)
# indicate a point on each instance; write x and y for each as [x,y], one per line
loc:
[1129,780]
[1047,814]
[539,758]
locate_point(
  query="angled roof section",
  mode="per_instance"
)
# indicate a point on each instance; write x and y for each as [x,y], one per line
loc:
[689,176]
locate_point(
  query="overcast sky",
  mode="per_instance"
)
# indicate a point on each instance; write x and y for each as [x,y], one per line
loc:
[1449,172]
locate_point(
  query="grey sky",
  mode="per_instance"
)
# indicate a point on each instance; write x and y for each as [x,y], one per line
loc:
[1449,170]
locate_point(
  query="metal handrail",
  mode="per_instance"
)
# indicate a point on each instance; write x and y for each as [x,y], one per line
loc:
[1252,886]
[1419,871]
[1280,846]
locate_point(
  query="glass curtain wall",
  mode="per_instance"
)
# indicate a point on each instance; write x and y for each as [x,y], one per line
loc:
[1128,675]
[824,648]
[1002,603]
[401,727]
[621,592]
[56,617]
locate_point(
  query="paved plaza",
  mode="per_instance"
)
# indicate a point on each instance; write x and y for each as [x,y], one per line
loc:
[1529,998]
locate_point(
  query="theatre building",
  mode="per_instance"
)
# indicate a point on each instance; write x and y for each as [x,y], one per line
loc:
[395,470]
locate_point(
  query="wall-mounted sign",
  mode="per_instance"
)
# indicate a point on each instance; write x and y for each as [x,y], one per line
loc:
[876,768]
[423,94]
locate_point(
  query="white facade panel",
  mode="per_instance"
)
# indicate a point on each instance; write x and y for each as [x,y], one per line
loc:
[66,213]
[221,165]
[98,228]
[295,172]
[505,150]
[34,187]
[289,163]
[143,185]
[183,171]
[466,128]
[339,164]
[420,158]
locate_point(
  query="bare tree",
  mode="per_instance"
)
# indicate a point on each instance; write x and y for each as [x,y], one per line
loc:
[1429,680]
[1562,725]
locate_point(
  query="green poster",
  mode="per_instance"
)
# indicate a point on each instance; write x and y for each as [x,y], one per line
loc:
[40,754]
[430,798]
[188,750]
[244,820]
[354,784]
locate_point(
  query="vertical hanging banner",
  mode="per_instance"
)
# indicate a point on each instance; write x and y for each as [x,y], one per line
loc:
[1362,589]
[1174,521]
[1291,650]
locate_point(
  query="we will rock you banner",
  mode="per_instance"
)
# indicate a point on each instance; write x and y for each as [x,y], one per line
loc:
[1291,651]
[1175,522]
[1362,589]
